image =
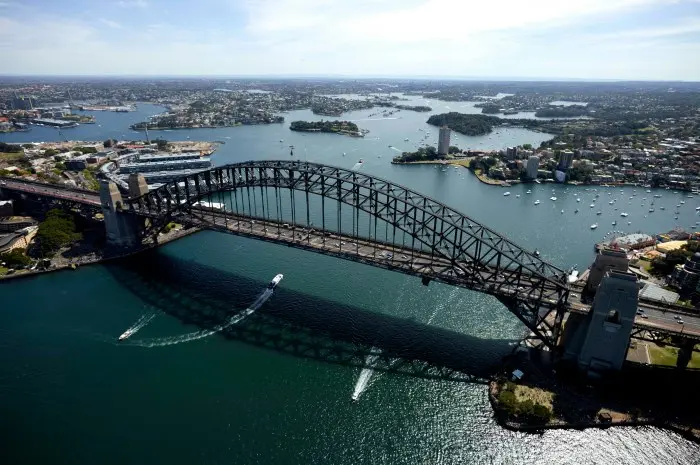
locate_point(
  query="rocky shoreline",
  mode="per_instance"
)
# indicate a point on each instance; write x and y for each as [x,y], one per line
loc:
[606,418]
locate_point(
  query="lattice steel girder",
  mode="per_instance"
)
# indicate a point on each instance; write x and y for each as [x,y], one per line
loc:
[448,233]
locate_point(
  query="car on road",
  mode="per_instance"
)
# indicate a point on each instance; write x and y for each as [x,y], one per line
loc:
[680,321]
[644,315]
[640,312]
[676,317]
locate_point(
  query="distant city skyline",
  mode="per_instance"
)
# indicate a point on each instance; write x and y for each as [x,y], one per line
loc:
[496,40]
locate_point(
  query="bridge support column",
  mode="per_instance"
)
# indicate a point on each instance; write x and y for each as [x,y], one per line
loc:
[685,353]
[599,341]
[121,228]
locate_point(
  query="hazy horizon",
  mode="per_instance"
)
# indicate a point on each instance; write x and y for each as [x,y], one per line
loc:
[587,40]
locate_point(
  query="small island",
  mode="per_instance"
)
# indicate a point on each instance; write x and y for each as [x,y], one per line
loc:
[335,127]
[418,108]
[470,125]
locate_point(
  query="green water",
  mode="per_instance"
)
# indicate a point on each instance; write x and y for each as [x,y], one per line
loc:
[270,389]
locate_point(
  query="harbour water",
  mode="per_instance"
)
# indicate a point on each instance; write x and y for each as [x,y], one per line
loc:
[70,393]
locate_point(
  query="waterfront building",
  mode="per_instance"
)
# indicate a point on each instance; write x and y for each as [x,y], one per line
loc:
[15,223]
[566,159]
[533,164]
[444,141]
[511,153]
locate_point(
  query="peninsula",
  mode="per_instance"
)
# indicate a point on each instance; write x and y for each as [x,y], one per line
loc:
[336,127]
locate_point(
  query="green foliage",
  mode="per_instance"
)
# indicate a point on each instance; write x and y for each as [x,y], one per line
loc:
[10,148]
[161,143]
[60,166]
[85,150]
[324,126]
[562,112]
[454,149]
[50,152]
[508,401]
[422,154]
[527,146]
[108,143]
[471,125]
[56,231]
[490,109]
[580,172]
[542,413]
[91,181]
[15,258]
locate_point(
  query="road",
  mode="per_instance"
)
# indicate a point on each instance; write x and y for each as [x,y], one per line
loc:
[85,197]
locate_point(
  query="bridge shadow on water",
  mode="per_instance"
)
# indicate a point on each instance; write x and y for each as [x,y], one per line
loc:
[306,326]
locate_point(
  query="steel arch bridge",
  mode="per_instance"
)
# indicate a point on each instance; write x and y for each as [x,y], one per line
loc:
[318,207]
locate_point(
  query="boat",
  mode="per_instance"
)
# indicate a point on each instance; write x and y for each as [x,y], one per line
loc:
[528,191]
[611,202]
[578,200]
[657,195]
[594,225]
[126,334]
[573,276]
[506,193]
[275,281]
[406,139]
[537,253]
[624,214]
[537,202]
[576,211]
[592,205]
[517,195]
[361,161]
[614,223]
[552,198]
[599,212]
[651,210]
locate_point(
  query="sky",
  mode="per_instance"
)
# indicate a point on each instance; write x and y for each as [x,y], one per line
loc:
[572,39]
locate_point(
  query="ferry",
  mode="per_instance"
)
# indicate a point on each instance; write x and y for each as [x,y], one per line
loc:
[275,281]
[594,225]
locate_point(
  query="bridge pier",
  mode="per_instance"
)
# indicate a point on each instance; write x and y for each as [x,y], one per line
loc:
[598,342]
[121,229]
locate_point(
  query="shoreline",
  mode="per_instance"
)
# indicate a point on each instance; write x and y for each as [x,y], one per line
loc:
[179,234]
[616,419]
[464,163]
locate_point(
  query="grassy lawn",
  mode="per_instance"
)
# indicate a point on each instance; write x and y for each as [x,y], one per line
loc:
[3,271]
[644,265]
[11,156]
[668,355]
[536,395]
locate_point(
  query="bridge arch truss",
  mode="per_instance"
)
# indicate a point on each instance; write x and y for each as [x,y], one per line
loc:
[438,242]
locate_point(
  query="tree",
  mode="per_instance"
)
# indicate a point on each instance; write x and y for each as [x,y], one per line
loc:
[56,231]
[161,143]
[454,149]
[542,413]
[527,146]
[15,259]
[108,143]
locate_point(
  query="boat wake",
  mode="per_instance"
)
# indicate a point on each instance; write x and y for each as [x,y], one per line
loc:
[136,327]
[357,166]
[394,148]
[365,375]
[172,340]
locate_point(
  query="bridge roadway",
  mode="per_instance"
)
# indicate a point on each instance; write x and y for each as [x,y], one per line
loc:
[48,190]
[377,254]
[388,256]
